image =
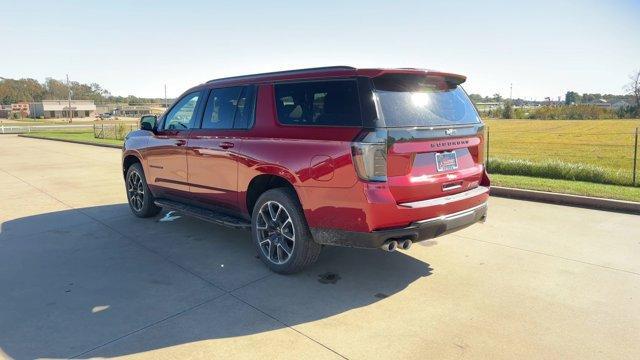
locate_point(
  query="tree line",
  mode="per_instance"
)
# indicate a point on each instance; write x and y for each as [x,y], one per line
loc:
[576,106]
[31,90]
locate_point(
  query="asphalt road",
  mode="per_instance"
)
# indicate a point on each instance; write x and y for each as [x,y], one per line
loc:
[81,277]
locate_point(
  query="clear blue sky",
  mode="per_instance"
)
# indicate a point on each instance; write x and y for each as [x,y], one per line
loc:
[134,47]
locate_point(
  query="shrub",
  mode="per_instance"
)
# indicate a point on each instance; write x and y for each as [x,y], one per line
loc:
[555,169]
[120,131]
[565,112]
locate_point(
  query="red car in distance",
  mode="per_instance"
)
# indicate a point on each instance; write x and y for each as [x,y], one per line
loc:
[367,158]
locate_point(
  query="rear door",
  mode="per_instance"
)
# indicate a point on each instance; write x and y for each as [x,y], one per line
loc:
[214,146]
[435,136]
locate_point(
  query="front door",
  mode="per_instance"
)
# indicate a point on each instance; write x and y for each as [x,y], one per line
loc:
[214,147]
[166,154]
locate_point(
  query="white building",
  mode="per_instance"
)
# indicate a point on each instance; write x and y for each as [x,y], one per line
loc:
[60,108]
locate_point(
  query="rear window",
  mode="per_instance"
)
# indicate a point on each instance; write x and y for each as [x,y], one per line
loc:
[411,100]
[327,103]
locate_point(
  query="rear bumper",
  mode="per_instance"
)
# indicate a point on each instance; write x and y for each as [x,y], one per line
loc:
[416,231]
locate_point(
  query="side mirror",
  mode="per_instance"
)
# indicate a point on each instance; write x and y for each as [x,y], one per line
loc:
[148,122]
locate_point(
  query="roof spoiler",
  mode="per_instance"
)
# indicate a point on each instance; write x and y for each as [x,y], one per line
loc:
[453,79]
[406,78]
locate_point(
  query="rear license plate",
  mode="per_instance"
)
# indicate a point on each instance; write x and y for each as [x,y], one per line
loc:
[446,161]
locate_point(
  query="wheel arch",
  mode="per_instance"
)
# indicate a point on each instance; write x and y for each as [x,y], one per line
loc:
[129,160]
[262,183]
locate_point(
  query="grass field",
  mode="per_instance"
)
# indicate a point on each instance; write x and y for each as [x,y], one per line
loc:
[73,136]
[607,144]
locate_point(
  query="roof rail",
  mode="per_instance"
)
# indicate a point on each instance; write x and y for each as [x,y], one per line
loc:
[285,72]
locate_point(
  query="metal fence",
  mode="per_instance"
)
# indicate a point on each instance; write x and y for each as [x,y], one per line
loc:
[614,152]
[113,131]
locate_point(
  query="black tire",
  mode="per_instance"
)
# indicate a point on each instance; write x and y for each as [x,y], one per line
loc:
[144,207]
[305,250]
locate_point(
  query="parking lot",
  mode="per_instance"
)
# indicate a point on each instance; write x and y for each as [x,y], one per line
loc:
[82,277]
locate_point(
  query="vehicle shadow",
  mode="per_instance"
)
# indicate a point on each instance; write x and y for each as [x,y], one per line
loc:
[99,282]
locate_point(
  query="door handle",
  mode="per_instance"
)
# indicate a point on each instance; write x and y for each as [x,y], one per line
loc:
[226,145]
[181,142]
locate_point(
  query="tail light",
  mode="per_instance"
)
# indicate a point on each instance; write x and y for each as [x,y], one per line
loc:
[482,147]
[479,152]
[369,152]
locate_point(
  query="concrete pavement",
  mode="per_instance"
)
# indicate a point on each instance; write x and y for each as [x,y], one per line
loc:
[81,277]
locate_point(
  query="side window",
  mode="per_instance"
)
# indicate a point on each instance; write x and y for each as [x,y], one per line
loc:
[221,108]
[245,112]
[230,108]
[182,115]
[329,103]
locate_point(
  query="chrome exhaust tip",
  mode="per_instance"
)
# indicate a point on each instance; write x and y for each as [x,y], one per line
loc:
[390,246]
[405,244]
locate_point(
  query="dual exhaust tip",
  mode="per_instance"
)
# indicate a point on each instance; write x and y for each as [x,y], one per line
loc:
[393,245]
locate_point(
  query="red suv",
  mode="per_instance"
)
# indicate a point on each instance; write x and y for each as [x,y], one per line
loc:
[367,158]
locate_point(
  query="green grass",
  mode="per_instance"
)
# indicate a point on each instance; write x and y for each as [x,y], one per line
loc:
[555,169]
[568,187]
[73,135]
[604,144]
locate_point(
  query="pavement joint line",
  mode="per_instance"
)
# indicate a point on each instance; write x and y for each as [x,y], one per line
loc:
[546,254]
[287,325]
[179,266]
[225,291]
[172,316]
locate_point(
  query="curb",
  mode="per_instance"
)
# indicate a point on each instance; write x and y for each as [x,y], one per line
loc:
[72,141]
[566,199]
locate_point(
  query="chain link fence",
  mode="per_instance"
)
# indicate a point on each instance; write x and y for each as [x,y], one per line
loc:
[595,156]
[113,130]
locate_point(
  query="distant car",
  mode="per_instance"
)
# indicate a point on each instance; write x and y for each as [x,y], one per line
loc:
[367,158]
[105,116]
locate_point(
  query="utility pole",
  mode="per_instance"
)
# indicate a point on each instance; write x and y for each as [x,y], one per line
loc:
[70,113]
[165,96]
[511,91]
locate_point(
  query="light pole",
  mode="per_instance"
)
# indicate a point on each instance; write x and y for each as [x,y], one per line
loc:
[70,113]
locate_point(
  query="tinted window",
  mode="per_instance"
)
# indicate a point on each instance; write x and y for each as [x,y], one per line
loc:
[328,103]
[410,100]
[182,115]
[245,111]
[229,108]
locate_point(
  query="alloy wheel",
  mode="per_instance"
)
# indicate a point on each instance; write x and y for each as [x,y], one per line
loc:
[276,234]
[135,188]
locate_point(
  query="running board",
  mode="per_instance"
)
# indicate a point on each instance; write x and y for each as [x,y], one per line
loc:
[205,214]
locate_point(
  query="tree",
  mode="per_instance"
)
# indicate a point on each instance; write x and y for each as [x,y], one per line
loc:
[497,97]
[55,89]
[507,110]
[28,90]
[571,97]
[633,88]
[589,98]
[476,98]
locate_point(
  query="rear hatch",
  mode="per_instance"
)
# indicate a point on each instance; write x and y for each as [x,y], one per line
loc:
[434,135]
